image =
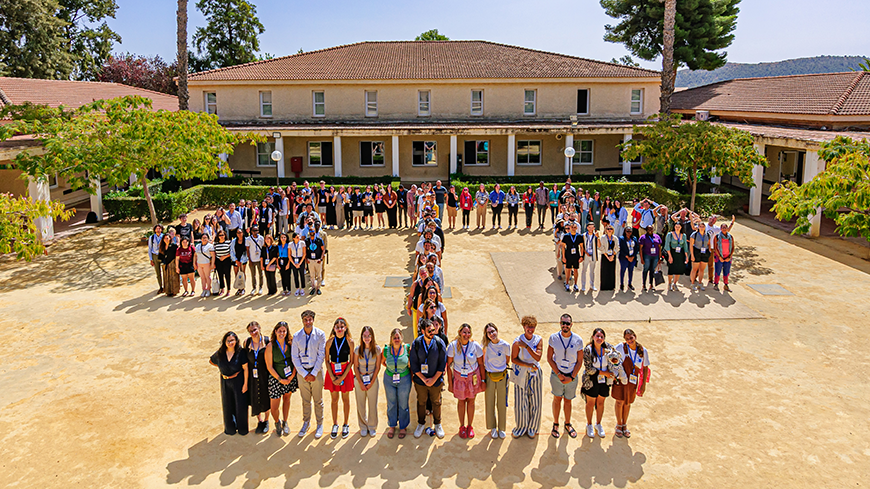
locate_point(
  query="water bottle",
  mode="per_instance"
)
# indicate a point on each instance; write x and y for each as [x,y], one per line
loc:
[430,431]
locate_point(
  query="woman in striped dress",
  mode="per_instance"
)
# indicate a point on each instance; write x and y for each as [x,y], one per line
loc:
[223,261]
[525,354]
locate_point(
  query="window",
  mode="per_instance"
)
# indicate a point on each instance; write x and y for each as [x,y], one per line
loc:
[371,104]
[582,152]
[477,102]
[264,154]
[529,107]
[52,181]
[476,153]
[319,104]
[423,105]
[583,101]
[211,102]
[319,153]
[371,153]
[637,101]
[424,153]
[528,152]
[265,104]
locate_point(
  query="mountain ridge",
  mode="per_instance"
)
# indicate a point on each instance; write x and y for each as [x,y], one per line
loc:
[797,66]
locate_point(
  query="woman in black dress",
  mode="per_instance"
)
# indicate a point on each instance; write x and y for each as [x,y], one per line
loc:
[380,206]
[282,376]
[331,219]
[609,254]
[269,262]
[233,365]
[402,213]
[258,376]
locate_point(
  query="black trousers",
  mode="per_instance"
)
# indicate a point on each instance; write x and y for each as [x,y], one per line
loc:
[235,405]
[348,216]
[530,213]
[391,217]
[496,214]
[298,276]
[466,217]
[224,269]
[513,211]
[285,274]
[271,282]
[402,215]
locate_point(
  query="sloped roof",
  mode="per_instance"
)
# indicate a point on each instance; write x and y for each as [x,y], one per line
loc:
[74,94]
[822,94]
[422,60]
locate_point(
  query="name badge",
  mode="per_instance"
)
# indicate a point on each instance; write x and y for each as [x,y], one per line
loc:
[609,252]
[602,379]
[474,379]
[653,251]
[296,260]
[533,373]
[566,364]
[424,369]
[463,375]
[337,367]
[255,373]
[288,371]
[367,379]
[314,256]
[679,249]
[304,358]
[703,250]
[573,251]
[632,379]
[396,378]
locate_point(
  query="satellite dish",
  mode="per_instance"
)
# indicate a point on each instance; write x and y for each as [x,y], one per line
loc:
[569,152]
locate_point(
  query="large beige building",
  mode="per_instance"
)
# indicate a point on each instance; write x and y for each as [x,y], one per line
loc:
[425,109]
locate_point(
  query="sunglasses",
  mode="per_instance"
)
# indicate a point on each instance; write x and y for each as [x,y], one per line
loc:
[568,323]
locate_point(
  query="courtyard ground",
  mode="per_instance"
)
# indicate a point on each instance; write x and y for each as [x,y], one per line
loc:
[105,384]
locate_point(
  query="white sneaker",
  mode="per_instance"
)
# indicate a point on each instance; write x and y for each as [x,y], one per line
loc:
[319,432]
[253,292]
[323,283]
[419,431]
[590,431]
[502,434]
[494,433]
[286,428]
[600,430]
[439,431]
[260,292]
[304,429]
[595,288]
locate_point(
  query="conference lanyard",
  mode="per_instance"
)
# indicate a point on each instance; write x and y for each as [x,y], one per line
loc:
[465,355]
[600,357]
[426,349]
[339,347]
[635,356]
[565,354]
[281,349]
[307,338]
[395,359]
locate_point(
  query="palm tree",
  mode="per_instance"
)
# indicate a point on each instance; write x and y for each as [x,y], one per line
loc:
[669,70]
[183,95]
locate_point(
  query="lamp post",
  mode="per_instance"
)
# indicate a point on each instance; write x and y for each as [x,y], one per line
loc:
[276,157]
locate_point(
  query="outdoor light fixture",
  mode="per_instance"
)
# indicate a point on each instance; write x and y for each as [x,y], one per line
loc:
[276,157]
[276,135]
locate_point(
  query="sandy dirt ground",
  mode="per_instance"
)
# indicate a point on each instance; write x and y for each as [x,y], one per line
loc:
[105,384]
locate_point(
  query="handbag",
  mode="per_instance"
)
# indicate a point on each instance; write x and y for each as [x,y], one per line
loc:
[239,283]
[659,277]
[215,283]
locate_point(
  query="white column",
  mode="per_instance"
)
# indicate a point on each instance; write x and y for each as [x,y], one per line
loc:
[758,179]
[453,154]
[133,179]
[395,153]
[626,165]
[38,190]
[512,154]
[97,198]
[336,154]
[715,180]
[225,158]
[279,146]
[569,143]
[813,165]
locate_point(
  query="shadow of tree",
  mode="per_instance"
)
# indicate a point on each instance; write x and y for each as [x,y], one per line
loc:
[747,261]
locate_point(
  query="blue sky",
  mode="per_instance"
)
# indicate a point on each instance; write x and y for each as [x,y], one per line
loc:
[767,30]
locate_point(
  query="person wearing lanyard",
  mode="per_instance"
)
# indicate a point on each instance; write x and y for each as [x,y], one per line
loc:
[397,383]
[283,380]
[428,362]
[628,247]
[723,248]
[465,378]
[340,378]
[315,261]
[255,243]
[297,264]
[596,380]
[610,245]
[367,364]
[269,263]
[650,251]
[153,250]
[590,258]
[496,357]
[699,246]
[233,365]
[258,378]
[513,201]
[678,258]
[635,362]
[284,262]
[571,254]
[526,352]
[564,352]
[496,200]
[308,349]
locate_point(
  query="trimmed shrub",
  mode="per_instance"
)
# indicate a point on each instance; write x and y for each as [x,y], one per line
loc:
[284,182]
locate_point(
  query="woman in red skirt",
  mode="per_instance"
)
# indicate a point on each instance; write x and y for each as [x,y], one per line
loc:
[635,361]
[339,348]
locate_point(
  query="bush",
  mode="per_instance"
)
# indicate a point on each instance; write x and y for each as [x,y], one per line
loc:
[167,206]
[535,179]
[284,182]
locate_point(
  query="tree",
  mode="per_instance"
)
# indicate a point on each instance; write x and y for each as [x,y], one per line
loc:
[431,35]
[669,70]
[230,35]
[864,65]
[702,28]
[18,233]
[182,55]
[88,44]
[842,191]
[693,150]
[625,61]
[140,71]
[121,137]
[31,40]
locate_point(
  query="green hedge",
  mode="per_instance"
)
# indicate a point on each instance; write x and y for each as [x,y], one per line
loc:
[167,206]
[314,181]
[535,179]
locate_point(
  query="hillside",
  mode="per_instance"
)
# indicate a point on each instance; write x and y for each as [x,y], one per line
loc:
[800,66]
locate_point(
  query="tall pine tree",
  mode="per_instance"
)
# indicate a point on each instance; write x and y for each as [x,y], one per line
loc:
[230,35]
[32,43]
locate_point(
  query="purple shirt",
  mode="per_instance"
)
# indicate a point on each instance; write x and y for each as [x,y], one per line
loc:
[651,245]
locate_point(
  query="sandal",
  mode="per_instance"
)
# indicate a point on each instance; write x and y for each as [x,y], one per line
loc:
[402,433]
[618,431]
[570,430]
[555,431]
[391,432]
[625,431]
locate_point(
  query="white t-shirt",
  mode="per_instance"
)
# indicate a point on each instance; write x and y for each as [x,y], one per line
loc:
[435,241]
[464,358]
[524,355]
[565,350]
[203,253]
[254,246]
[440,308]
[633,354]
[495,356]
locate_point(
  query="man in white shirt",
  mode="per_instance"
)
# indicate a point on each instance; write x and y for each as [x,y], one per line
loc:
[565,356]
[590,257]
[254,243]
[309,348]
[236,221]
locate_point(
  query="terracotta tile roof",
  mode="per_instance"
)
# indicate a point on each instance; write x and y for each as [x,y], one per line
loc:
[73,94]
[822,94]
[422,60]
[809,135]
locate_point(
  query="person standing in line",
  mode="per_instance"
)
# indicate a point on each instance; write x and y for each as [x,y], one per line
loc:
[595,210]
[264,218]
[284,262]
[356,200]
[597,379]
[340,379]
[481,197]
[185,229]
[205,263]
[166,255]
[466,203]
[255,243]
[513,202]
[452,205]
[541,202]
[308,350]
[699,246]
[402,207]
[572,255]
[283,212]
[496,359]
[184,259]
[153,251]
[380,206]
[564,354]
[496,200]
[321,198]
[723,249]
[465,376]
[712,231]
[391,201]
[621,219]
[397,383]
[529,200]
[256,347]
[440,193]
[368,207]
[428,364]
[367,364]
[239,256]
[635,362]
[650,251]
[236,220]
[223,261]
[269,264]
[646,214]
[316,249]
[678,259]
[297,264]
[590,258]
[609,255]
[411,206]
[553,201]
[628,249]
[282,375]
[233,366]
[526,353]
[343,210]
